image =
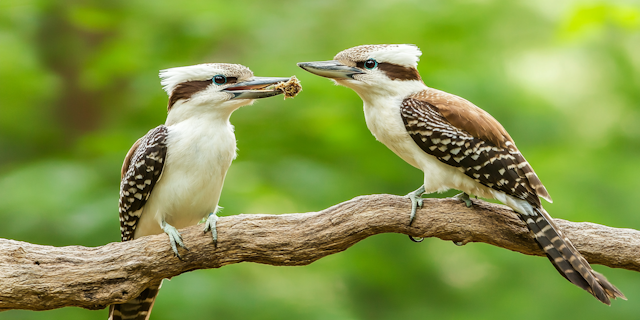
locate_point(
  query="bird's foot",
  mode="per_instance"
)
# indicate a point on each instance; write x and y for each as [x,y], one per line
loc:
[174,238]
[211,225]
[416,202]
[464,197]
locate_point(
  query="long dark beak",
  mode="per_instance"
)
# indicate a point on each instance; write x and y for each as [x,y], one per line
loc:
[256,88]
[330,69]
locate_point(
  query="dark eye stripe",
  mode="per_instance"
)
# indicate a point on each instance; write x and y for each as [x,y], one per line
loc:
[186,89]
[397,72]
[394,71]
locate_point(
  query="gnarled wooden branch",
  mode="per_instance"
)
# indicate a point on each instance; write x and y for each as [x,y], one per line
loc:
[37,277]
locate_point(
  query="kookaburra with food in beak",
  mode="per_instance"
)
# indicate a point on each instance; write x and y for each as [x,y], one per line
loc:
[456,144]
[172,177]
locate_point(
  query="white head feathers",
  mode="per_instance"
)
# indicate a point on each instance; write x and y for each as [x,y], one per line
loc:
[170,78]
[406,55]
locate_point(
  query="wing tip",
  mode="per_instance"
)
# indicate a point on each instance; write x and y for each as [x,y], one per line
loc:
[544,194]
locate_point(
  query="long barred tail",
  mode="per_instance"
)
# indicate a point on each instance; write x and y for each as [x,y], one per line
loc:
[138,308]
[567,260]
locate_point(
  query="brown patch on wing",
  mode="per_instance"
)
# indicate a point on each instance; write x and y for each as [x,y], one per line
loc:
[465,115]
[127,158]
[187,89]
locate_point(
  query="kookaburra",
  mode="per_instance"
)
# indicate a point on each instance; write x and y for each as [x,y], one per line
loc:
[456,144]
[172,177]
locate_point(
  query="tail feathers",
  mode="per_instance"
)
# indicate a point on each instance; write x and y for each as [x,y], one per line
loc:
[567,260]
[610,289]
[138,308]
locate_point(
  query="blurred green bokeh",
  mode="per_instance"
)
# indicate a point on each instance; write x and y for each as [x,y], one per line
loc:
[79,84]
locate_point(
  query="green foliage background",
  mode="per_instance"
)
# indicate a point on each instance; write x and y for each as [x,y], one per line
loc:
[78,85]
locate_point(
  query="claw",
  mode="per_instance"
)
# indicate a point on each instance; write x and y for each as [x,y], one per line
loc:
[464,197]
[416,202]
[211,225]
[175,239]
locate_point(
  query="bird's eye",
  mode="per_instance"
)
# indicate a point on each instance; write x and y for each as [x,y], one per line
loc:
[220,79]
[370,64]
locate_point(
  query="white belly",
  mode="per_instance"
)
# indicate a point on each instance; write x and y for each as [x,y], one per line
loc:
[198,157]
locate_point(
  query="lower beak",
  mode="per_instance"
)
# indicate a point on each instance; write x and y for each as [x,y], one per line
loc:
[256,88]
[330,69]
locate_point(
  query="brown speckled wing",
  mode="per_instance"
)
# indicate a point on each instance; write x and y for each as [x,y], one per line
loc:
[501,167]
[141,171]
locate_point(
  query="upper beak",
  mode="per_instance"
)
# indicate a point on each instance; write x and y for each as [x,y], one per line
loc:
[330,69]
[256,88]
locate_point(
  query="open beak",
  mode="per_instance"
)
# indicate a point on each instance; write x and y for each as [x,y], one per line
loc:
[330,69]
[256,88]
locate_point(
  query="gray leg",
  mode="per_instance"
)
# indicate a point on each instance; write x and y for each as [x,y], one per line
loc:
[416,202]
[211,225]
[174,237]
[464,197]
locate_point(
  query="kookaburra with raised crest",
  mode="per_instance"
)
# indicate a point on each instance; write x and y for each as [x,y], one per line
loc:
[456,144]
[172,177]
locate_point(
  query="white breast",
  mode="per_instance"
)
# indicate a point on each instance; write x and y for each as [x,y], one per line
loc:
[199,154]
[384,121]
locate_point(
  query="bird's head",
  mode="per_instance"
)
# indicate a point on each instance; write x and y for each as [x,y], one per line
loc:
[213,88]
[387,69]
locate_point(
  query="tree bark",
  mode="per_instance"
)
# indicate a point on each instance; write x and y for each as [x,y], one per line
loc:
[37,277]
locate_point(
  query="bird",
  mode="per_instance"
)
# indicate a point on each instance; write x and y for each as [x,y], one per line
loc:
[456,144]
[172,177]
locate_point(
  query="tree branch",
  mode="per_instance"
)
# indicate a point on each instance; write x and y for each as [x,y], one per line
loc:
[37,277]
